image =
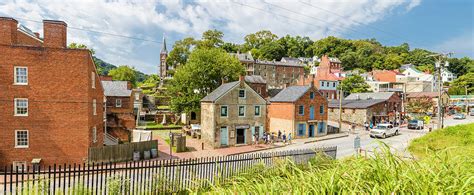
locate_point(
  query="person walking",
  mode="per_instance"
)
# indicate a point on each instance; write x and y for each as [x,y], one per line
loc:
[253,139]
[279,134]
[289,138]
[269,139]
[366,125]
[284,138]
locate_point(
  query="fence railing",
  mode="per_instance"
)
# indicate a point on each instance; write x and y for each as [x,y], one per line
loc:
[143,177]
[121,152]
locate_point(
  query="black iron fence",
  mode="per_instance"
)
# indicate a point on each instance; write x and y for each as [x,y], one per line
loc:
[143,177]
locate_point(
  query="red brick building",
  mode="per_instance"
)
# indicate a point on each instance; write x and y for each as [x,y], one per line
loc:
[327,78]
[51,97]
[119,108]
[300,110]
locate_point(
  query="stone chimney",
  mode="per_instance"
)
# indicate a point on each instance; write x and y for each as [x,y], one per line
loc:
[55,34]
[312,81]
[8,28]
[129,85]
[222,81]
[242,80]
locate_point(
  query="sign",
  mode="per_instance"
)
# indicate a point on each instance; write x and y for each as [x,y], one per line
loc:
[427,119]
[242,126]
[357,142]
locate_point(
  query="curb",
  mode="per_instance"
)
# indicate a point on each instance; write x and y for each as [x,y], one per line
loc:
[255,150]
[327,138]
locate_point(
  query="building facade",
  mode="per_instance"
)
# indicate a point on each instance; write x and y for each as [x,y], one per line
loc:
[231,114]
[52,98]
[300,110]
[119,109]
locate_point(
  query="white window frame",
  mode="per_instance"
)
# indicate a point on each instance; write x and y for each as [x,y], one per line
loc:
[15,81]
[94,107]
[27,139]
[118,103]
[19,165]
[93,80]
[259,111]
[137,96]
[238,110]
[227,113]
[94,134]
[16,108]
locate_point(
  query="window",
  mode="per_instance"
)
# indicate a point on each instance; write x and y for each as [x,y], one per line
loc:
[94,107]
[301,110]
[242,93]
[327,84]
[321,109]
[311,95]
[21,139]
[19,165]
[223,111]
[93,80]
[353,111]
[333,84]
[21,107]
[241,110]
[118,103]
[301,129]
[21,76]
[137,96]
[322,83]
[94,134]
[257,110]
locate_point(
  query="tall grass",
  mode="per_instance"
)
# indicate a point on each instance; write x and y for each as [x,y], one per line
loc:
[383,173]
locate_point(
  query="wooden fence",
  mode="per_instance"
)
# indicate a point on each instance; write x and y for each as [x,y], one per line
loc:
[143,177]
[121,152]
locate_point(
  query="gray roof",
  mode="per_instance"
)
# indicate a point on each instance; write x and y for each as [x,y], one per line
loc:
[290,94]
[354,104]
[246,57]
[221,90]
[279,63]
[369,96]
[273,92]
[291,59]
[255,79]
[116,88]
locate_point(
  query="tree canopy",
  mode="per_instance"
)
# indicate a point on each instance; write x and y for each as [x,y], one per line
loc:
[354,84]
[200,75]
[124,73]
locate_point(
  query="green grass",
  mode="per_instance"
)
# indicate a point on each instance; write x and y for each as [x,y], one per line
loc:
[384,173]
[163,107]
[457,140]
[152,125]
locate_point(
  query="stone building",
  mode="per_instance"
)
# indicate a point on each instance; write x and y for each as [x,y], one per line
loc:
[300,110]
[51,108]
[258,84]
[373,108]
[119,109]
[231,114]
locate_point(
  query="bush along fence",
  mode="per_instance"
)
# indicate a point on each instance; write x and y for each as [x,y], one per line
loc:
[142,177]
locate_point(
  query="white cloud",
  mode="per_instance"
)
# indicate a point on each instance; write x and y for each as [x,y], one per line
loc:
[148,19]
[462,45]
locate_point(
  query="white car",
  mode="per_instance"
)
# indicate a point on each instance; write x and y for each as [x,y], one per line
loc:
[384,130]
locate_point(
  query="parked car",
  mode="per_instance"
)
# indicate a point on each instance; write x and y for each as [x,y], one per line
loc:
[471,113]
[384,130]
[459,116]
[415,124]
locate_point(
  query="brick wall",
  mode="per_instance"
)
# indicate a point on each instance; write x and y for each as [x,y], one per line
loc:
[60,96]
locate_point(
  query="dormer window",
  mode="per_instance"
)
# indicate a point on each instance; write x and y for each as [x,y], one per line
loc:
[241,93]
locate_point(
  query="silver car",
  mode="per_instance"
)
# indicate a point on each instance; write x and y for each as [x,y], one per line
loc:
[384,131]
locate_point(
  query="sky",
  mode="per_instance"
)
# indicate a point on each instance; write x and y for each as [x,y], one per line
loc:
[124,32]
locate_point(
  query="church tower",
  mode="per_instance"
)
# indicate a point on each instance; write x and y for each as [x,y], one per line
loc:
[163,55]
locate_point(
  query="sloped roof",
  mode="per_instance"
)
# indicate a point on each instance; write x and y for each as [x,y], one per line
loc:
[279,63]
[273,92]
[354,104]
[370,96]
[116,88]
[290,94]
[255,79]
[247,57]
[291,59]
[221,90]
[422,94]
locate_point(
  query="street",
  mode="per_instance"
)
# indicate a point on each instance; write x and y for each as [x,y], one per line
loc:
[398,143]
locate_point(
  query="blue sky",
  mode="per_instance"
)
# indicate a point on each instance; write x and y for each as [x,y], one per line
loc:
[438,25]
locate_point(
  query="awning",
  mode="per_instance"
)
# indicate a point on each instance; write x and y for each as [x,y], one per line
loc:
[36,161]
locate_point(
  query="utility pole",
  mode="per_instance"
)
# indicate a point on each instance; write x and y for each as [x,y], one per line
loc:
[439,65]
[340,108]
[465,101]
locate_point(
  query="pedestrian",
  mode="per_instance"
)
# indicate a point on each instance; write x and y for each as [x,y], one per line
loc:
[353,127]
[256,138]
[268,138]
[279,134]
[366,125]
[284,138]
[289,138]
[371,125]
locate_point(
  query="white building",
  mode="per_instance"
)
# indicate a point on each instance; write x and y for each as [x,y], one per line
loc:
[447,76]
[412,74]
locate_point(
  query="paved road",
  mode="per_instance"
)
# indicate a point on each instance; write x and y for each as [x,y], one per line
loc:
[345,145]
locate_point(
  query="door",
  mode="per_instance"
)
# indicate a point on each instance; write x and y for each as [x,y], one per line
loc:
[311,130]
[311,113]
[321,127]
[224,136]
[240,136]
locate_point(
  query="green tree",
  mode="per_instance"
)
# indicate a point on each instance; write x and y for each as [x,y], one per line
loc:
[419,105]
[458,86]
[151,81]
[272,51]
[124,73]
[180,52]
[461,66]
[258,39]
[211,39]
[80,46]
[202,73]
[354,84]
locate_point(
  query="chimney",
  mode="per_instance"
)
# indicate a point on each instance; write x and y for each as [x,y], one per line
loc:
[129,85]
[312,81]
[222,81]
[302,79]
[8,28]
[55,33]
[37,35]
[242,80]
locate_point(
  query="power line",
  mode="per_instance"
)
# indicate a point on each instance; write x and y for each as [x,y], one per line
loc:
[343,17]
